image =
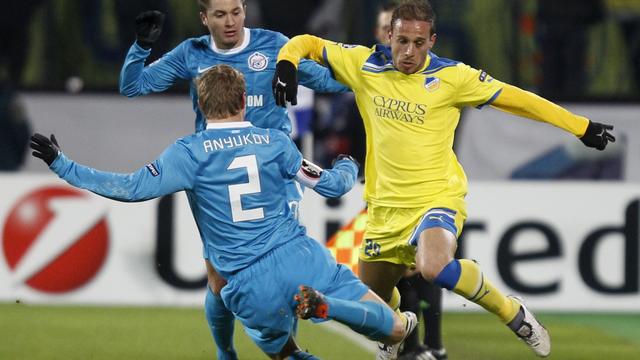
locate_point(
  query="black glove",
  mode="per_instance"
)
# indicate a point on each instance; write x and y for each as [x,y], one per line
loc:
[597,135]
[347,157]
[285,83]
[148,27]
[45,149]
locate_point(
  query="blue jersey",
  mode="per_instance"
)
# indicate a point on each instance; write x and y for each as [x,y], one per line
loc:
[235,176]
[255,58]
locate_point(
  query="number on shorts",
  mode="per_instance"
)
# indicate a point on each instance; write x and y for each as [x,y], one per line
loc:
[371,248]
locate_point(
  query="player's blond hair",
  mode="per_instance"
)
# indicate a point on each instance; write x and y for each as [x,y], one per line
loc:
[419,10]
[221,92]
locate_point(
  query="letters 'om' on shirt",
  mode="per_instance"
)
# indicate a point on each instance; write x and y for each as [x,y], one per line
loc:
[410,121]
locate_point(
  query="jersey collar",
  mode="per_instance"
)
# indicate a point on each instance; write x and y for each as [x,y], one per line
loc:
[229,125]
[235,50]
[427,61]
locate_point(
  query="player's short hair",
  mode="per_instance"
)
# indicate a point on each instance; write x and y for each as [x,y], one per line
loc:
[221,92]
[204,4]
[387,6]
[419,10]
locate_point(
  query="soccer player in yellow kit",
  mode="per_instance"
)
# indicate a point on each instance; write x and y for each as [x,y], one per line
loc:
[410,101]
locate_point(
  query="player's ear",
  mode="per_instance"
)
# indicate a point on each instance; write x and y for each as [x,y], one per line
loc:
[203,18]
[432,40]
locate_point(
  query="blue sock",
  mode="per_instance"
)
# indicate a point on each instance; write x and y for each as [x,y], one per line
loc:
[301,355]
[221,322]
[371,319]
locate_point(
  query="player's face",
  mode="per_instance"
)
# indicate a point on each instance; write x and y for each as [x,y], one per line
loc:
[410,43]
[225,21]
[383,27]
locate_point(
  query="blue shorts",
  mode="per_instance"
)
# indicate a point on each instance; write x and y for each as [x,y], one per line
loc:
[261,296]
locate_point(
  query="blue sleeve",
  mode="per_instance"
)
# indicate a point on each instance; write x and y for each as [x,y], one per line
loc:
[291,157]
[137,79]
[319,78]
[175,170]
[337,181]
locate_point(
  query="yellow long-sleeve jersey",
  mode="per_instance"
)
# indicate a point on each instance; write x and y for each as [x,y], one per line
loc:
[410,120]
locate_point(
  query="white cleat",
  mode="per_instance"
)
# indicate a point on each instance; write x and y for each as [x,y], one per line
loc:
[531,331]
[390,352]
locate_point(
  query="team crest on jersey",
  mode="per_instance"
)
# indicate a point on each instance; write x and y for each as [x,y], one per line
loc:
[258,61]
[432,84]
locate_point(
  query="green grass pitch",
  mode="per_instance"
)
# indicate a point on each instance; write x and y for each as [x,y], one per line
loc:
[63,332]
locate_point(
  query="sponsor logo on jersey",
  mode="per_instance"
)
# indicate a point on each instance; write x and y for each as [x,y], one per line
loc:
[394,109]
[255,100]
[153,170]
[432,84]
[258,61]
[55,240]
[204,69]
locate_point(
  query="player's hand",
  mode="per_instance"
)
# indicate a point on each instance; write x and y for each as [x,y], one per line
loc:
[285,83]
[345,157]
[148,27]
[44,148]
[598,135]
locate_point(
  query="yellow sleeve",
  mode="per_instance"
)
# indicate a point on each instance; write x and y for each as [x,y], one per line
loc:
[344,61]
[526,104]
[302,47]
[475,87]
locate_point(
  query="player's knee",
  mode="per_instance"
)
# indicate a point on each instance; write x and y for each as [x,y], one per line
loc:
[430,270]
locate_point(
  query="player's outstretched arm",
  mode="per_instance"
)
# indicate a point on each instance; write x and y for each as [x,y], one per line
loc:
[173,171]
[333,182]
[135,78]
[526,104]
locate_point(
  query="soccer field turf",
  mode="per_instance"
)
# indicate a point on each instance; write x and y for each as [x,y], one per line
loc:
[61,332]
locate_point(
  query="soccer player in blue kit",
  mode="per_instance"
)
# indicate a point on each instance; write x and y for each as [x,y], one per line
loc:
[235,174]
[251,51]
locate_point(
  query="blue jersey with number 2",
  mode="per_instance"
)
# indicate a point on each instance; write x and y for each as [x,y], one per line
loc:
[235,176]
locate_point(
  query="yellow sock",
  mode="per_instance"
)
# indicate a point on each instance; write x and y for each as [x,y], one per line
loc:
[475,287]
[394,303]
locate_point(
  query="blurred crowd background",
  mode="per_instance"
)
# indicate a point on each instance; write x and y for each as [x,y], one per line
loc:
[569,50]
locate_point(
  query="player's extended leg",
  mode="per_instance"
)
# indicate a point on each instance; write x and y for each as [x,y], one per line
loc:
[370,316]
[382,277]
[435,261]
[221,321]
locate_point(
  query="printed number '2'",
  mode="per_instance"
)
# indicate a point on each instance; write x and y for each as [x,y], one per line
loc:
[253,186]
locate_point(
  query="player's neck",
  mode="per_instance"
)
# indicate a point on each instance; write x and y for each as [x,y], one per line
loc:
[235,118]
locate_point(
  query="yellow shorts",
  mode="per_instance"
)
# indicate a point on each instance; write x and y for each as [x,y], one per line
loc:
[389,229]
